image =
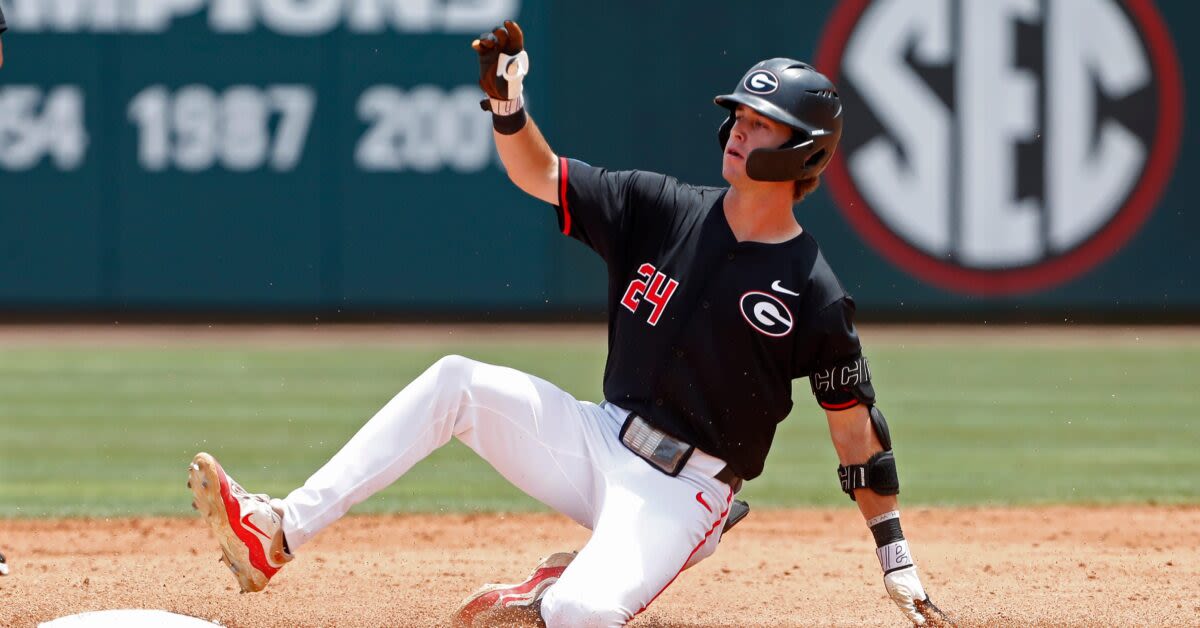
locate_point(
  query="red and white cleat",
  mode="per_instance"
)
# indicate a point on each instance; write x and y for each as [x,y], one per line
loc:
[509,604]
[248,528]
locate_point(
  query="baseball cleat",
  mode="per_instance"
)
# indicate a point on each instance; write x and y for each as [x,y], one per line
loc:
[248,528]
[506,604]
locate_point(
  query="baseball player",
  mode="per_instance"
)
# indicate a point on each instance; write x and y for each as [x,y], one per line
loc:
[717,300]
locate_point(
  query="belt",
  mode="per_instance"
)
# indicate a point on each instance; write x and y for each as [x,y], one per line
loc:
[665,452]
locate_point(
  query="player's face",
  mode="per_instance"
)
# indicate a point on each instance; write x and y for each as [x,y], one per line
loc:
[751,130]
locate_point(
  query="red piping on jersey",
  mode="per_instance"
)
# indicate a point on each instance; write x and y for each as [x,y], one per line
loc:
[724,513]
[562,195]
[840,406]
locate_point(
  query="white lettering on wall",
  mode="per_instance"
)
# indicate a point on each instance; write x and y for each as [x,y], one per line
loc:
[38,123]
[301,18]
[241,129]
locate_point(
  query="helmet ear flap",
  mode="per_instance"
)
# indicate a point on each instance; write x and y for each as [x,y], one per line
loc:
[724,131]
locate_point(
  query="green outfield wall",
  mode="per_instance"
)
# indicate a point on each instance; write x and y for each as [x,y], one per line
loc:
[293,157]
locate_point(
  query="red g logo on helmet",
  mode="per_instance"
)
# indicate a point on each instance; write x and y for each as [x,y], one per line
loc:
[1005,146]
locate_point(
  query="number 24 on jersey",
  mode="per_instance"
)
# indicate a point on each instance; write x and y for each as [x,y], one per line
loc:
[654,287]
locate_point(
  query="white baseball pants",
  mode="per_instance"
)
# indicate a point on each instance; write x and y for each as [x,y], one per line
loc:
[647,527]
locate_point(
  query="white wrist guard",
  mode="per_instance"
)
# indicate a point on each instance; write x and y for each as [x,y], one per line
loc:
[506,107]
[894,556]
[890,546]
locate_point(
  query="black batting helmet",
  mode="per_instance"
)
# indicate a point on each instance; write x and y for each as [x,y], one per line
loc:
[792,93]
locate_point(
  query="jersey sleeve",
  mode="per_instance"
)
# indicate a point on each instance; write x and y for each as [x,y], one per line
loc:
[838,356]
[599,207]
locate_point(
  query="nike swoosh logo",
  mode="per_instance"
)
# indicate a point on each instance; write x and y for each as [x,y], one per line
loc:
[779,288]
[246,522]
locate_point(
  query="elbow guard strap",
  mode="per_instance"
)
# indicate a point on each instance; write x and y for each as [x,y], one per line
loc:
[878,474]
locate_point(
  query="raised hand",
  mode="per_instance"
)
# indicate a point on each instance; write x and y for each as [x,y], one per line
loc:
[503,61]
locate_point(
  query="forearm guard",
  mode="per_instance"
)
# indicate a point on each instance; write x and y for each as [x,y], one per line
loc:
[879,472]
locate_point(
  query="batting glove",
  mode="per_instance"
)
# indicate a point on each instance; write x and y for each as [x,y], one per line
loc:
[503,64]
[906,591]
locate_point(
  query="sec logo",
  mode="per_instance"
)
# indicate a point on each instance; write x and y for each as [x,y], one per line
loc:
[1001,147]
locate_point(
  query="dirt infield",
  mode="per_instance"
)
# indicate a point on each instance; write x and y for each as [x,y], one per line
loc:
[1051,566]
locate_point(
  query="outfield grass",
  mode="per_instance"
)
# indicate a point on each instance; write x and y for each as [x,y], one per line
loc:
[109,431]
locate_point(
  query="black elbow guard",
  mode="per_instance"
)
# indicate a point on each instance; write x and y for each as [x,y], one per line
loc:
[843,386]
[878,474]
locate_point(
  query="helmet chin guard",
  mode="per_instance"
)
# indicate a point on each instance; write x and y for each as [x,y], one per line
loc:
[780,164]
[794,94]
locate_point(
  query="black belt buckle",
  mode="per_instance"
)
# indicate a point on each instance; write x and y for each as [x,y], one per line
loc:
[663,451]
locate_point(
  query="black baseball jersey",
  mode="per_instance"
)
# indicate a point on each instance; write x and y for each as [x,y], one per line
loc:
[705,333]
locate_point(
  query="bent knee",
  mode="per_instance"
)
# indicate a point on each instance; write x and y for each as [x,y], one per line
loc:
[452,370]
[562,609]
